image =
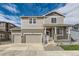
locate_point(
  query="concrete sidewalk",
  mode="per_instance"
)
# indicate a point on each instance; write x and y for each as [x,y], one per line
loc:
[38,53]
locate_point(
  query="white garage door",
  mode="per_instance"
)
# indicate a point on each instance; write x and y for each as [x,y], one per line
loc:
[17,38]
[33,38]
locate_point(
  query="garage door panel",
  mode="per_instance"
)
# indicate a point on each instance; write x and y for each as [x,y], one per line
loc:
[33,38]
[17,38]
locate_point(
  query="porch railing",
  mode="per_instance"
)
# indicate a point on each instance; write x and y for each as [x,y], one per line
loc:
[59,36]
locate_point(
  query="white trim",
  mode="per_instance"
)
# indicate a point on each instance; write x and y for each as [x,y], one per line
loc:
[16,33]
[32,33]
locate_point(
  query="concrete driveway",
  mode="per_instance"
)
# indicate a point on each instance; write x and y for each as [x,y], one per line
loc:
[32,50]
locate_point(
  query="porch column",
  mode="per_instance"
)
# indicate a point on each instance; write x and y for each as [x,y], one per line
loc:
[45,30]
[69,33]
[62,32]
[52,33]
[55,36]
[44,35]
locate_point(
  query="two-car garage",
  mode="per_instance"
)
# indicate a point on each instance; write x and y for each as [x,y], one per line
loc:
[27,37]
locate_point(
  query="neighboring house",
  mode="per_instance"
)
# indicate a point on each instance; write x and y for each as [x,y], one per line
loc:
[42,29]
[5,33]
[75,32]
[76,27]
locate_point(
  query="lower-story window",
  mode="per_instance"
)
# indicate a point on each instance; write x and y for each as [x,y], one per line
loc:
[59,31]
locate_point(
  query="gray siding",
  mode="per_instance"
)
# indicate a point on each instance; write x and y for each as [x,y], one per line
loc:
[26,25]
[32,31]
[59,20]
[40,21]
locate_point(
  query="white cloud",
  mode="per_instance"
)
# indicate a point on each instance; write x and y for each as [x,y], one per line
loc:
[9,19]
[11,7]
[71,11]
[68,8]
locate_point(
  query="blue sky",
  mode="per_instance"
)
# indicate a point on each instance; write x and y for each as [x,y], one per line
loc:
[28,9]
[11,12]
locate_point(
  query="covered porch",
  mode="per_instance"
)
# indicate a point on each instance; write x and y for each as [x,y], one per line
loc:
[56,32]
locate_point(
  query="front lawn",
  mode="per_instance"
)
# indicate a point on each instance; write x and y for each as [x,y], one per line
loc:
[70,47]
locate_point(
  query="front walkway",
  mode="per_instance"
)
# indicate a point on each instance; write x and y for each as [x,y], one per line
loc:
[52,46]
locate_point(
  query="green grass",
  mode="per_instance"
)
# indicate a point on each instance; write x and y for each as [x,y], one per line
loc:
[70,47]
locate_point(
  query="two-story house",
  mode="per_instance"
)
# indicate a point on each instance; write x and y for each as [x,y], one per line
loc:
[42,29]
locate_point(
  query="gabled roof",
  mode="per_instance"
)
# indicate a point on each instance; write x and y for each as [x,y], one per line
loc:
[44,14]
[53,12]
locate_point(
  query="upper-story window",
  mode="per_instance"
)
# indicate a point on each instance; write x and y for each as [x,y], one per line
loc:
[53,20]
[32,20]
